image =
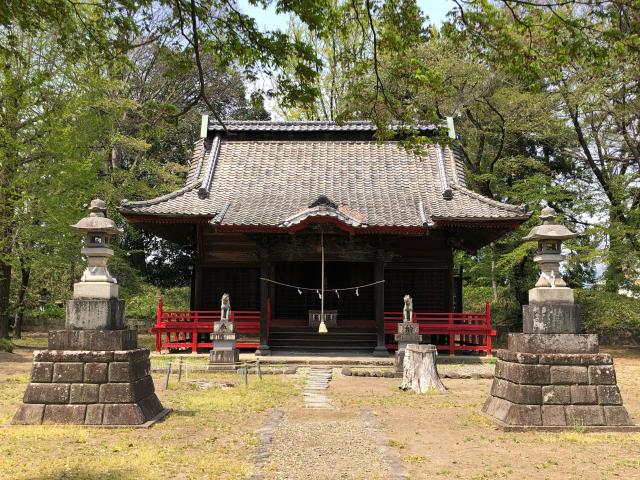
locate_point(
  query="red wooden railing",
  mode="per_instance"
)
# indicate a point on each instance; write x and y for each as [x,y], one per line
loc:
[469,331]
[179,329]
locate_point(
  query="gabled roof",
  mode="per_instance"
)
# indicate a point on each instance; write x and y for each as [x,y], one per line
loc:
[368,184]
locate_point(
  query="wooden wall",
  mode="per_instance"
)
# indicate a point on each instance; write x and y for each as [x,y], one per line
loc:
[418,265]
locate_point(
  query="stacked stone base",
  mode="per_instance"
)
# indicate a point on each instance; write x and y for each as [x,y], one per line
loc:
[556,391]
[223,360]
[99,387]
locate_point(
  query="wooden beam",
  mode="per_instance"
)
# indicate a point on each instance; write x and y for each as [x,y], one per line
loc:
[381,349]
[263,349]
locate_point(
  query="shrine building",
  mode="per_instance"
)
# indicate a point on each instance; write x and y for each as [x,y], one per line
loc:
[263,202]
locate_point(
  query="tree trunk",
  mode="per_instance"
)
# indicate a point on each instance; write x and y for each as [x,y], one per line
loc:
[614,274]
[22,290]
[72,274]
[420,373]
[5,285]
[494,284]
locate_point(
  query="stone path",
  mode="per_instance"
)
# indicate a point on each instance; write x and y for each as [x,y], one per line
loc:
[327,445]
[391,458]
[315,388]
[324,442]
[265,437]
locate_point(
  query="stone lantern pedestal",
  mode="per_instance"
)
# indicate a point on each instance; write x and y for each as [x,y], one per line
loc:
[224,355]
[93,372]
[551,376]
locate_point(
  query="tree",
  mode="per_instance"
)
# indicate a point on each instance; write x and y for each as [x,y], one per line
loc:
[61,54]
[586,57]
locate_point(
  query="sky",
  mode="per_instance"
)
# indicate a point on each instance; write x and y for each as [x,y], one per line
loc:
[268,19]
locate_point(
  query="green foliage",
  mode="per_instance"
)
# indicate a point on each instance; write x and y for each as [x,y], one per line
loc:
[50,312]
[584,58]
[144,303]
[505,312]
[104,99]
[6,345]
[614,317]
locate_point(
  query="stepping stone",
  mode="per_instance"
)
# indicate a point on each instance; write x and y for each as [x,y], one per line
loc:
[317,383]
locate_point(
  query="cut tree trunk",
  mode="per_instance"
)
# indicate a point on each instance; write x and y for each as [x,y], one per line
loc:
[419,369]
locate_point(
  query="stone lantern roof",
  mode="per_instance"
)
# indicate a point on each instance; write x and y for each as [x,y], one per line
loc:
[549,230]
[97,220]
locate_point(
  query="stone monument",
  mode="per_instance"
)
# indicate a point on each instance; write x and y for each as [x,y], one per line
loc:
[92,373]
[552,377]
[224,355]
[408,332]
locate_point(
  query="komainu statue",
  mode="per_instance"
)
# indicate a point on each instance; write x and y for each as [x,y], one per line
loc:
[407,311]
[225,308]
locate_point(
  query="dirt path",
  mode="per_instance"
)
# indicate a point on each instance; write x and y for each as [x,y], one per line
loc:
[445,436]
[324,442]
[15,363]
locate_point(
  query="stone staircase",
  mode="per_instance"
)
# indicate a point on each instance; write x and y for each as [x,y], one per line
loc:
[297,338]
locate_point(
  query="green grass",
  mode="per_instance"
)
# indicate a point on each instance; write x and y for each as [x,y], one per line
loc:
[146,340]
[34,340]
[209,435]
[415,459]
[40,340]
[6,345]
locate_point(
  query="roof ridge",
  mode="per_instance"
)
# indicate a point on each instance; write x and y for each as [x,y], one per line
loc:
[425,217]
[214,153]
[201,155]
[155,201]
[452,163]
[307,125]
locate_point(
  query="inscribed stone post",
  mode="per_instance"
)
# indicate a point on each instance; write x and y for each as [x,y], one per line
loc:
[224,355]
[408,332]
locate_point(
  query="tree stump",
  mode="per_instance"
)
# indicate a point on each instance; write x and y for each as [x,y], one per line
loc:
[419,369]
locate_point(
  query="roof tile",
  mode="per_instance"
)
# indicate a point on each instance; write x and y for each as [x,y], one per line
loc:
[263,183]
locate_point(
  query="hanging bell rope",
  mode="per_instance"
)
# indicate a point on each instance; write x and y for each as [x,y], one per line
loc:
[322,328]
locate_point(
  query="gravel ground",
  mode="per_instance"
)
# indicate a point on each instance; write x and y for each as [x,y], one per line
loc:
[445,370]
[466,369]
[324,446]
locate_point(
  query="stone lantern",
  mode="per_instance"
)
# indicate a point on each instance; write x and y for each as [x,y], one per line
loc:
[551,376]
[92,372]
[96,281]
[95,303]
[549,236]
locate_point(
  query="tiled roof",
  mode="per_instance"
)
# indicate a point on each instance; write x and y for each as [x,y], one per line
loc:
[301,126]
[270,183]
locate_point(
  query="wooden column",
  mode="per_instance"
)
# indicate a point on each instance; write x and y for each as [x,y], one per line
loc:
[196,285]
[457,285]
[265,270]
[381,349]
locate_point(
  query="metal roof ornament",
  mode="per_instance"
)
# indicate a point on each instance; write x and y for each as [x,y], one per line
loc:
[549,236]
